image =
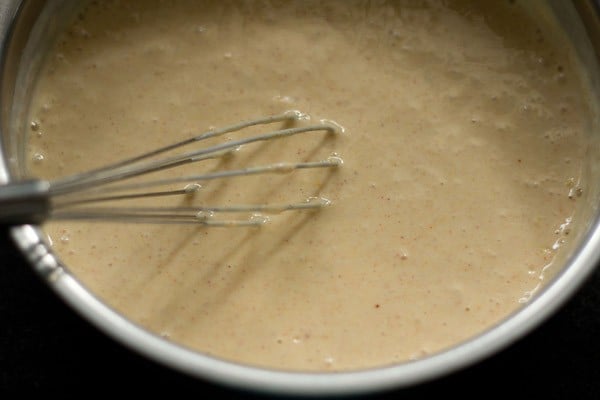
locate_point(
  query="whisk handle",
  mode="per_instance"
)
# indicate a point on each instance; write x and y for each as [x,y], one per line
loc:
[25,202]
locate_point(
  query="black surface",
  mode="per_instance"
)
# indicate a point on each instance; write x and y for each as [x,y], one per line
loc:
[46,348]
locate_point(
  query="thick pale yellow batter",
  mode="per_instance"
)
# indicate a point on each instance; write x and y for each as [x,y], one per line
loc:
[463,154]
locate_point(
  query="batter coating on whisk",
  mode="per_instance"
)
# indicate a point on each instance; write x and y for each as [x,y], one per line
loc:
[464,127]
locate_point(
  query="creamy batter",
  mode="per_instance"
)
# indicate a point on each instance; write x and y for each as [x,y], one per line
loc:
[463,147]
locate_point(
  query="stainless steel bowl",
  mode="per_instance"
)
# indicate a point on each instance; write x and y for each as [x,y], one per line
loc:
[25,28]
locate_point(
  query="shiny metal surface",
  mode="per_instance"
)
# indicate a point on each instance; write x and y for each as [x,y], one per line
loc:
[29,239]
[24,202]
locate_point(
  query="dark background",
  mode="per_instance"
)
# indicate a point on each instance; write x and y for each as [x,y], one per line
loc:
[46,348]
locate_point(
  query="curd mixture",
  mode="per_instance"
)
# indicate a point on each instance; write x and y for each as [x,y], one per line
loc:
[463,147]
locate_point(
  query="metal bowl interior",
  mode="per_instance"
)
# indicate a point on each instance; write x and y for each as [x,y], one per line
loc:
[25,31]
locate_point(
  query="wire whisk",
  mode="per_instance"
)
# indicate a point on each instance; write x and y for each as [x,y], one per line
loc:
[81,196]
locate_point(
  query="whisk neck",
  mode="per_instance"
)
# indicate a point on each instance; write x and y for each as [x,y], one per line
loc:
[25,202]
